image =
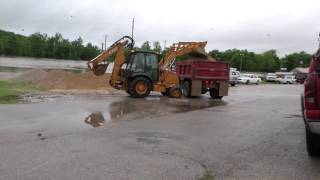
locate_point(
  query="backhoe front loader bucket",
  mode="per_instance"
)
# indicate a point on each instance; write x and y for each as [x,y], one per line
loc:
[100,69]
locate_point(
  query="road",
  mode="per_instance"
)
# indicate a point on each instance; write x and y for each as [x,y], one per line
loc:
[255,133]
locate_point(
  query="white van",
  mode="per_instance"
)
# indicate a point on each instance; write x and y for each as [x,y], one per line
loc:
[234,75]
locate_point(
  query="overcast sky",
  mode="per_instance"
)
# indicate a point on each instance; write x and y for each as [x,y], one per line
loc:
[284,25]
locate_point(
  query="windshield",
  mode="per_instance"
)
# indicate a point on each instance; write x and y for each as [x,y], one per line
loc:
[137,62]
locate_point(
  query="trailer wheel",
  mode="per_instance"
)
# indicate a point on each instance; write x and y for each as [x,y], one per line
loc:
[140,87]
[214,94]
[186,89]
[174,92]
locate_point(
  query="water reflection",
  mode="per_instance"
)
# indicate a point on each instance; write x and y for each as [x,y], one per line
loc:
[128,109]
[95,119]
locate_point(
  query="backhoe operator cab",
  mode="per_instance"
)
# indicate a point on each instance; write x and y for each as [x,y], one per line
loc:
[139,73]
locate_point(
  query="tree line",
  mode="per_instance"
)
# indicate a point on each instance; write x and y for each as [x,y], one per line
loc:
[245,60]
[57,47]
[44,46]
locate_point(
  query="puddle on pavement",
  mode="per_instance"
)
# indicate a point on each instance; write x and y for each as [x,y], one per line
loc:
[95,119]
[155,106]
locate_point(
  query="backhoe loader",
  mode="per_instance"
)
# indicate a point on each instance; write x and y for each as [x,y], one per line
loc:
[142,71]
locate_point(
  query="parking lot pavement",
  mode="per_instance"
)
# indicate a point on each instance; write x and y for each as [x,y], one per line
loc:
[254,133]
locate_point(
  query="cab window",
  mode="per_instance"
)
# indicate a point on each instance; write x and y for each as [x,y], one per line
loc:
[137,62]
[151,61]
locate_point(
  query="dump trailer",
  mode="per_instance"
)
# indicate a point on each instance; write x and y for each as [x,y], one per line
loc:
[199,76]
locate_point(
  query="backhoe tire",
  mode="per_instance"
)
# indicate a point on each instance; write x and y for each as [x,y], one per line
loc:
[174,92]
[186,89]
[140,87]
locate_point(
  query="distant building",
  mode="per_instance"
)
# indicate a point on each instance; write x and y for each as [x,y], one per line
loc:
[300,70]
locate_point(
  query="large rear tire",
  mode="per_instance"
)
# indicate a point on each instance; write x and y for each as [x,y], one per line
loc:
[140,87]
[312,143]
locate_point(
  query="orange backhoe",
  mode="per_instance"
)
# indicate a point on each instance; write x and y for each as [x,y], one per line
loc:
[142,71]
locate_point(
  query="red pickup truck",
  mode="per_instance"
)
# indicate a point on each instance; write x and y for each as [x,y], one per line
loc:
[310,103]
[198,76]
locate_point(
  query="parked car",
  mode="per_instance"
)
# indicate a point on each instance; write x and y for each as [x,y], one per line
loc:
[310,103]
[271,77]
[249,79]
[287,80]
[234,75]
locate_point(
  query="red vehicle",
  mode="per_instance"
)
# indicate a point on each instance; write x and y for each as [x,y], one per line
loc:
[198,76]
[311,106]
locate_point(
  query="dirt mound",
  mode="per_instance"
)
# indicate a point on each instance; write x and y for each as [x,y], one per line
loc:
[60,79]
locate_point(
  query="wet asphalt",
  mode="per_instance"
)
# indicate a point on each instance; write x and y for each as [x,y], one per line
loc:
[256,132]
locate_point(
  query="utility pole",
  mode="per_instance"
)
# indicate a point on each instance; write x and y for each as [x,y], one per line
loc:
[102,46]
[105,41]
[132,28]
[165,43]
[240,62]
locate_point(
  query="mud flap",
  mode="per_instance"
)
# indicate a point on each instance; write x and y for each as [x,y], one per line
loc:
[196,86]
[223,88]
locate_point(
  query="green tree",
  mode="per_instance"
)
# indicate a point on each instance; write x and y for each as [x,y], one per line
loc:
[41,45]
[38,43]
[300,59]
[146,46]
[157,47]
[13,45]
[268,61]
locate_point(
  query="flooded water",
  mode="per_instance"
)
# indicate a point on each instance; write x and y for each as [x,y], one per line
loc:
[41,63]
[73,113]
[128,109]
[13,66]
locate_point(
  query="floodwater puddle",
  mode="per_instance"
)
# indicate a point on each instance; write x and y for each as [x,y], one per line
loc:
[77,112]
[95,119]
[128,109]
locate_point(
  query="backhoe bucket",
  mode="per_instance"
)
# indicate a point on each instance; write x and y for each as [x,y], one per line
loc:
[198,52]
[100,69]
